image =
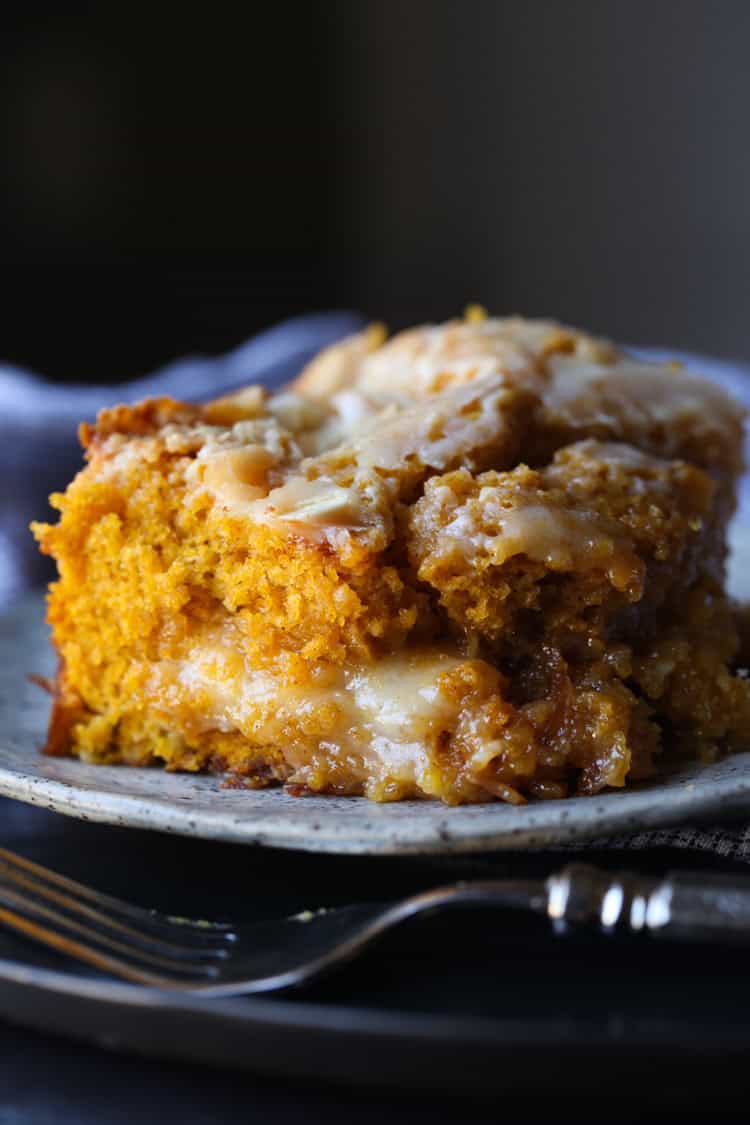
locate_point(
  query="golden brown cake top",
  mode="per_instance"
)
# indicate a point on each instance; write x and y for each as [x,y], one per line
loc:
[370,420]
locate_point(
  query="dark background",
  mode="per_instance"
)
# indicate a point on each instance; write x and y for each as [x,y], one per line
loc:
[171,180]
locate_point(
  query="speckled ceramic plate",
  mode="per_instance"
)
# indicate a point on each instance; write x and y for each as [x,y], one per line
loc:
[198,806]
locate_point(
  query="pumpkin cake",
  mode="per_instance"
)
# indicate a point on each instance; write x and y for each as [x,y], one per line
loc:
[482,560]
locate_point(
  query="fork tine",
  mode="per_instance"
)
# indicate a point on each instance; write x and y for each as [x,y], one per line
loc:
[81,952]
[150,943]
[211,932]
[35,915]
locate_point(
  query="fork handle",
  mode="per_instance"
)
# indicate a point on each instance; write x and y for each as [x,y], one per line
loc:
[692,906]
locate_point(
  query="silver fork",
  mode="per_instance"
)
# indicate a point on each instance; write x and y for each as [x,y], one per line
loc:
[215,959]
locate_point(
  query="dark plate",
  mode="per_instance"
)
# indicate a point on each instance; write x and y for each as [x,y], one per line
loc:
[474,1003]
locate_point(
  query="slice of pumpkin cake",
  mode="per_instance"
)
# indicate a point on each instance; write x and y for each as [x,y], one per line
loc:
[481,560]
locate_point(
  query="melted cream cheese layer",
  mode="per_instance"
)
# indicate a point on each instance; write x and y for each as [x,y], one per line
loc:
[381,722]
